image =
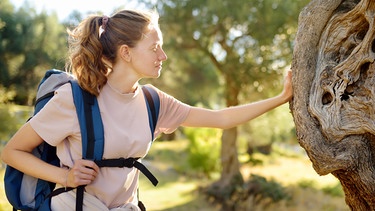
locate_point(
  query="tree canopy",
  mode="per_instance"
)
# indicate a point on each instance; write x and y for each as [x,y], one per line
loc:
[30,44]
[246,44]
[221,53]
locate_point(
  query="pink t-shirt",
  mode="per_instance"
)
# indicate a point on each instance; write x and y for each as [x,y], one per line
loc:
[126,134]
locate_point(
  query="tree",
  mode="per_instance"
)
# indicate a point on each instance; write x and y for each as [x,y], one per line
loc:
[240,41]
[333,105]
[30,44]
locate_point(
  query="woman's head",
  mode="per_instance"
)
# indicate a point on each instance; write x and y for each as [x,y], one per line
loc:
[94,43]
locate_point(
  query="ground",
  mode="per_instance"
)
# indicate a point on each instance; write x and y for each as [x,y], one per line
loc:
[179,191]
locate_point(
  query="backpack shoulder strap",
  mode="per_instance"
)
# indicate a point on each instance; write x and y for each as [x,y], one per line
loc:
[92,131]
[90,122]
[153,107]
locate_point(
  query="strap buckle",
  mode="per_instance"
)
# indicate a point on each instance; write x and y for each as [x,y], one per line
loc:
[128,162]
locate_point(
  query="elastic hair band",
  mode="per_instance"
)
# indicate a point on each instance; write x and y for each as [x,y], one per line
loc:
[104,25]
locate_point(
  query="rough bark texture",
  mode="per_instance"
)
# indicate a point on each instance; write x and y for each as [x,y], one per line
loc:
[333,104]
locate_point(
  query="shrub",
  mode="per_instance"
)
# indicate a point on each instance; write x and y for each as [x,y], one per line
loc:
[12,117]
[6,95]
[305,184]
[204,149]
[9,121]
[260,186]
[334,190]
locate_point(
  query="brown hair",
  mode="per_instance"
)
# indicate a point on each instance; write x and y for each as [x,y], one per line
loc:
[91,56]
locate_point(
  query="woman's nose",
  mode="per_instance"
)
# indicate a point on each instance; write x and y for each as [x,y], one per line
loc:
[163,56]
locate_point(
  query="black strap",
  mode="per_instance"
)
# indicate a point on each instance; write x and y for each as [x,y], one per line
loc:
[88,100]
[120,162]
[152,106]
[146,172]
[141,205]
[48,95]
[129,163]
[79,198]
[59,191]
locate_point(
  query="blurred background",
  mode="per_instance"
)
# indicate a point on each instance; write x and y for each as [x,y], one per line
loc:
[221,53]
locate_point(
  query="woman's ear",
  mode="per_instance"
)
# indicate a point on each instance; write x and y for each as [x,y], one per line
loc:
[125,53]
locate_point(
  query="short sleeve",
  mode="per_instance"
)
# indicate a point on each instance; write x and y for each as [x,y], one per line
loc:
[57,119]
[172,113]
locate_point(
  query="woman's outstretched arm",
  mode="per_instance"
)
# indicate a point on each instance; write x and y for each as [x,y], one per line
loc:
[236,115]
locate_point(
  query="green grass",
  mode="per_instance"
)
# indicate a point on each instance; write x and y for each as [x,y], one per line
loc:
[178,185]
[177,188]
[178,191]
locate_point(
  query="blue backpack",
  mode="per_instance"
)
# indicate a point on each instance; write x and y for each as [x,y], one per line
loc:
[28,193]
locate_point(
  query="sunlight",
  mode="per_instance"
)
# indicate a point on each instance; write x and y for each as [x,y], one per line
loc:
[64,8]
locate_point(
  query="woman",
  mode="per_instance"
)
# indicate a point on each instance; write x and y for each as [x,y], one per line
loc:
[108,56]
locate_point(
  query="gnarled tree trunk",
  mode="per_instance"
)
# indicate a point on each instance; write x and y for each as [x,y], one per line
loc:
[334,99]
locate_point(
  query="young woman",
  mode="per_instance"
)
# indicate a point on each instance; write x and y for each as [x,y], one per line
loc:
[108,56]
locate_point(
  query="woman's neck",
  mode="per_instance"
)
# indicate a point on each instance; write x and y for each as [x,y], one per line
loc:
[122,84]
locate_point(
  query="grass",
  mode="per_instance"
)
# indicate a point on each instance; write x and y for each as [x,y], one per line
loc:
[178,192]
[178,187]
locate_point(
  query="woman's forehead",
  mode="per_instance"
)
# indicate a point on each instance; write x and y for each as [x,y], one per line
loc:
[153,35]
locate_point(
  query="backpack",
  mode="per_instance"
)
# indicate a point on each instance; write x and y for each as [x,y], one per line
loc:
[28,193]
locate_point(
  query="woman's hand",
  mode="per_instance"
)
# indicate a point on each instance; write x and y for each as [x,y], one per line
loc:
[287,92]
[83,172]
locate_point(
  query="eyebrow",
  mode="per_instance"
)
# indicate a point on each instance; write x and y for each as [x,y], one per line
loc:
[144,35]
[158,43]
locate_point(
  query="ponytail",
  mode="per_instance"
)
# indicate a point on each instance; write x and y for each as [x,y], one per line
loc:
[86,60]
[94,42]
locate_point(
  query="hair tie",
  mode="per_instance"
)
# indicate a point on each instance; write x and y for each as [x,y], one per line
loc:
[104,25]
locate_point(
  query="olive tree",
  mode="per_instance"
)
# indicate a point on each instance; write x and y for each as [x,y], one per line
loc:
[333,105]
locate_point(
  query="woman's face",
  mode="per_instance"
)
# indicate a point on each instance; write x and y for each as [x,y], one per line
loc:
[148,55]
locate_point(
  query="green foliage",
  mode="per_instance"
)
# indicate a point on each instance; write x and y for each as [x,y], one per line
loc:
[276,126]
[30,44]
[264,188]
[248,43]
[6,95]
[334,190]
[7,124]
[204,149]
[12,117]
[307,184]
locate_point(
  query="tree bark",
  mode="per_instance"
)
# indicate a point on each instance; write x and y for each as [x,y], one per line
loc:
[333,104]
[231,178]
[230,174]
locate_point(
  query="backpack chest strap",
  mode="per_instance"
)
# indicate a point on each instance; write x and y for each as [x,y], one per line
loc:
[129,163]
[120,163]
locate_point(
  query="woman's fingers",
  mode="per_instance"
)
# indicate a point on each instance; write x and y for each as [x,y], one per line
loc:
[88,164]
[82,173]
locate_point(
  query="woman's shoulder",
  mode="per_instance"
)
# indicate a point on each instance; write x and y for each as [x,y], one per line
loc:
[63,95]
[161,93]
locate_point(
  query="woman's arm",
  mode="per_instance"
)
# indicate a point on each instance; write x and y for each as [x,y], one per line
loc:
[18,154]
[233,116]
